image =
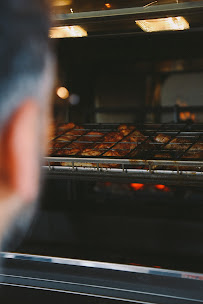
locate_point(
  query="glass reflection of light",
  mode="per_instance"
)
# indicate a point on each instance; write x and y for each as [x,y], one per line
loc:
[163,24]
[67,31]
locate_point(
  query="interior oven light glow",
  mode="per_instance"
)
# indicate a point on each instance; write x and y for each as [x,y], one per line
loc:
[163,24]
[67,32]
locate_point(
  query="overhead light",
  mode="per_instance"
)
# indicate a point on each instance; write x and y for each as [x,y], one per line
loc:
[62,92]
[163,24]
[61,2]
[67,31]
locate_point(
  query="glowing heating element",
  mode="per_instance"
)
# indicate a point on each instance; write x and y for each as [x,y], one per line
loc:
[67,32]
[137,186]
[164,24]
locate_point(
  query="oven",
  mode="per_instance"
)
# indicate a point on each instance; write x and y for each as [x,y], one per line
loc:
[120,217]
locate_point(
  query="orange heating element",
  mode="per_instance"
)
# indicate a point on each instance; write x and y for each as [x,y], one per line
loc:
[185,115]
[137,186]
[162,187]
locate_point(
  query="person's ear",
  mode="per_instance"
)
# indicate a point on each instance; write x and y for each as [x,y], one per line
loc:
[20,151]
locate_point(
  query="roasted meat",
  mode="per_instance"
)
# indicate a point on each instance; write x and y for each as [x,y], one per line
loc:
[71,135]
[92,137]
[67,152]
[125,130]
[90,152]
[178,143]
[110,139]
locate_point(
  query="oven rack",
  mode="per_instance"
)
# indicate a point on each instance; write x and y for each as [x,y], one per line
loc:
[143,166]
[190,172]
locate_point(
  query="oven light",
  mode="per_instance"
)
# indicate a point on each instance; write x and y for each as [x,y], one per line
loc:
[62,92]
[108,5]
[163,24]
[61,2]
[67,31]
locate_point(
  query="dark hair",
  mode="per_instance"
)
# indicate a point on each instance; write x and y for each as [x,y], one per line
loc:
[24,49]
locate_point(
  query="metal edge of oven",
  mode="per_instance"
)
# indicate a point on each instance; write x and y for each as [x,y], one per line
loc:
[124,283]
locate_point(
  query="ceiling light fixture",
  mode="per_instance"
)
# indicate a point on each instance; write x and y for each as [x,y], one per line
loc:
[61,2]
[67,32]
[163,24]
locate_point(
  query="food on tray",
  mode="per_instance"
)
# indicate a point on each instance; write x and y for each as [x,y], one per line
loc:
[114,153]
[178,143]
[71,135]
[92,137]
[110,139]
[125,130]
[67,152]
[162,138]
[91,152]
[63,128]
[123,142]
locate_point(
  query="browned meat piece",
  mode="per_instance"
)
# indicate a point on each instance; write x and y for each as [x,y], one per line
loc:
[136,136]
[70,135]
[162,138]
[178,144]
[90,152]
[192,155]
[162,155]
[125,144]
[131,142]
[113,137]
[58,145]
[60,129]
[66,152]
[118,153]
[92,136]
[77,145]
[197,147]
[66,126]
[125,130]
[174,144]
[66,138]
[54,146]
[122,127]
[110,140]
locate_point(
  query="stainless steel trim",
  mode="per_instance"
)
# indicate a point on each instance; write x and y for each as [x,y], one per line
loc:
[125,171]
[136,12]
[103,265]
[124,161]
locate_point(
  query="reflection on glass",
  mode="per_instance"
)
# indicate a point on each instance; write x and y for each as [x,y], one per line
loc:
[67,31]
[163,24]
[64,6]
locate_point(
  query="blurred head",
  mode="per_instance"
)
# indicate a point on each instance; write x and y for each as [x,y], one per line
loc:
[26,80]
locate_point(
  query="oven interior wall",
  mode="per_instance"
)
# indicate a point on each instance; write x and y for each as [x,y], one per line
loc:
[118,78]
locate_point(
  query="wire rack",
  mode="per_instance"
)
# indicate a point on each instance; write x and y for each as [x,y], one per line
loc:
[153,150]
